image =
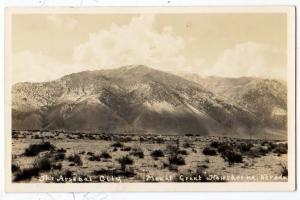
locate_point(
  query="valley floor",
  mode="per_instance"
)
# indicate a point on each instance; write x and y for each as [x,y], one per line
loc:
[81,157]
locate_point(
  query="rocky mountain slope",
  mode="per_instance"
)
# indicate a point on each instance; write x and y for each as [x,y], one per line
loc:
[265,98]
[140,99]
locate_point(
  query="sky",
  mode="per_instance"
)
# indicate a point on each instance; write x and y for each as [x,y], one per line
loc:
[48,46]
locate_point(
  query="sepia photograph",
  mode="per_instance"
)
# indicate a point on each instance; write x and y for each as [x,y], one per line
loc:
[150,99]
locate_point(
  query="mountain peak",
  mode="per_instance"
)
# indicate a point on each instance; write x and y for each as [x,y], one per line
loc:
[134,67]
[138,97]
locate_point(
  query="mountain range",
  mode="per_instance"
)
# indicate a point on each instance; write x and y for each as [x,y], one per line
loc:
[139,99]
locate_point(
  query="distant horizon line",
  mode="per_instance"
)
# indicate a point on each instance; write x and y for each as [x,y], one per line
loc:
[152,68]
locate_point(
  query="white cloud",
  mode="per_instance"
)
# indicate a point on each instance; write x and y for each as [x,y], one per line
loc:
[249,59]
[138,42]
[36,67]
[134,43]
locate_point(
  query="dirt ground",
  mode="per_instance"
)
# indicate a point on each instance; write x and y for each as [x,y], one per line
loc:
[92,167]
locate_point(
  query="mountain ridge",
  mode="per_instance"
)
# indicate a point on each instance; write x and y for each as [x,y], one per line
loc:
[129,99]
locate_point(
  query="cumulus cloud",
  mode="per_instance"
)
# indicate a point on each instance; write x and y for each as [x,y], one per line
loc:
[249,59]
[36,67]
[137,42]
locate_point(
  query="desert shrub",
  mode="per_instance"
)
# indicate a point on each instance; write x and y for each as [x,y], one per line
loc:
[105,155]
[43,164]
[244,147]
[214,144]
[90,153]
[264,150]
[173,167]
[105,171]
[36,137]
[268,146]
[94,158]
[142,139]
[15,167]
[57,166]
[272,144]
[281,148]
[67,173]
[137,152]
[284,170]
[223,147]
[117,144]
[232,156]
[266,143]
[80,136]
[125,148]
[209,151]
[59,156]
[91,137]
[107,137]
[159,140]
[61,150]
[172,149]
[15,135]
[129,172]
[126,139]
[69,137]
[186,145]
[115,149]
[125,160]
[157,153]
[182,152]
[82,152]
[257,151]
[176,160]
[26,174]
[164,164]
[76,159]
[35,149]
[203,166]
